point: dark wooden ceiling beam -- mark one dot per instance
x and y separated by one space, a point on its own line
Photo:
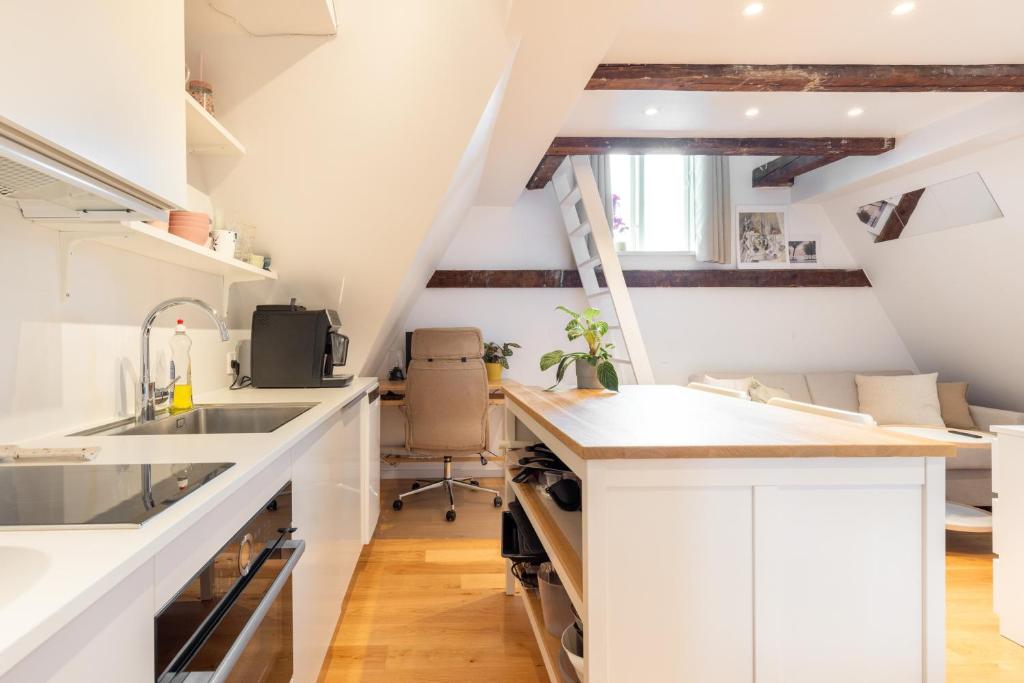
790 277
549 163
722 146
810 77
783 171
900 216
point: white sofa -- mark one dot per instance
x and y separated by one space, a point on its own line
968 475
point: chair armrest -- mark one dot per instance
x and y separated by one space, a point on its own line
986 417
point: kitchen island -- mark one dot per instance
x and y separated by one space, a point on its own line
723 540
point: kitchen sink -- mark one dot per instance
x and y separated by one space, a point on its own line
234 418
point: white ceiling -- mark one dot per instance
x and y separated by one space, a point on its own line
794 114
822 32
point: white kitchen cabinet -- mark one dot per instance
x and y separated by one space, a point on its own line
110 641
371 464
102 79
326 512
1007 539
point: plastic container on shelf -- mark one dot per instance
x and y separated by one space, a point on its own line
554 600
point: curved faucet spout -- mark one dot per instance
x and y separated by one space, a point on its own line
147 395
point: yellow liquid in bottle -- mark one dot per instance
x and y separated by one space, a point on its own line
182 398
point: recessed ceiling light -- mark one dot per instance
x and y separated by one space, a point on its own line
904 8
855 112
651 111
753 9
752 112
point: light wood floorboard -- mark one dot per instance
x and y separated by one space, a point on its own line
430 608
425 607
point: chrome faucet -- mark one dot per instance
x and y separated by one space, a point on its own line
149 395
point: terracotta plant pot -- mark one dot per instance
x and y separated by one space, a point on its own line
494 372
586 375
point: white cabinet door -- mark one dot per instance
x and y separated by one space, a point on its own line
102 79
371 464
326 512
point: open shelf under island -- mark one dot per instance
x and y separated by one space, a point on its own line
724 540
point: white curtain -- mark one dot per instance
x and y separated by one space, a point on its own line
601 163
710 208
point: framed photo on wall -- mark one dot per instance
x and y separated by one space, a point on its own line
760 233
803 251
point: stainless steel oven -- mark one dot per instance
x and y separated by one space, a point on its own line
233 620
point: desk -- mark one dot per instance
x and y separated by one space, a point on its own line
392 392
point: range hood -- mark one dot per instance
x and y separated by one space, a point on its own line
49 185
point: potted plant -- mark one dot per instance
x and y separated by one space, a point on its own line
496 358
594 367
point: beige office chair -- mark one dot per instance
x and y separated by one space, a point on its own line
446 403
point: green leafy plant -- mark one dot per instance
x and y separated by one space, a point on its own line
499 353
584 325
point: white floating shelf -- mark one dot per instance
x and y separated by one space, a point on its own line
140 238
204 135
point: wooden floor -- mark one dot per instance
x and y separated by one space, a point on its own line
425 607
432 609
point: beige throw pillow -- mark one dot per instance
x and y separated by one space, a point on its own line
734 384
762 393
901 399
953 404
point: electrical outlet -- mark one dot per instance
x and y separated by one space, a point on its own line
232 358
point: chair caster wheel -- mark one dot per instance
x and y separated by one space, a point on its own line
397 504
474 482
415 485
450 515
497 501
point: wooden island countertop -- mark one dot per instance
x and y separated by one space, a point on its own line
667 421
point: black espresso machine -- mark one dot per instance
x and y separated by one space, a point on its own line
296 348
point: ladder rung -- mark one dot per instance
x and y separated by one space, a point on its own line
622 361
571 198
590 262
601 292
581 229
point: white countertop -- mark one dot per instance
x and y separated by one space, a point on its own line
1010 430
47 578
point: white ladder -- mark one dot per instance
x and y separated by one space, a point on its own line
590 238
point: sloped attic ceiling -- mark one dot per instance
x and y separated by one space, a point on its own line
352 143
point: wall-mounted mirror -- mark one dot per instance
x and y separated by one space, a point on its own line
962 201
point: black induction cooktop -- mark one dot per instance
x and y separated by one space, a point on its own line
96 496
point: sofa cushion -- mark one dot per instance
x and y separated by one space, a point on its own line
793 383
909 400
762 393
953 404
839 389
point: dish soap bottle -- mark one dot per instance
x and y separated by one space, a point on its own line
181 369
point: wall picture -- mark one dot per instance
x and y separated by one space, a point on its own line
803 250
761 237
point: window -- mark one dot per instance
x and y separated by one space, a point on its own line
651 202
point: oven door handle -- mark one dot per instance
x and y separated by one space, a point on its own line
249 630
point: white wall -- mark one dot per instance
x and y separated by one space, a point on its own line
954 295
72 364
686 329
353 143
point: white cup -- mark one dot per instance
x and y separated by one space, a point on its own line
224 242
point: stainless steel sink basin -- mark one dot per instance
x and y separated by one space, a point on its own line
240 418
